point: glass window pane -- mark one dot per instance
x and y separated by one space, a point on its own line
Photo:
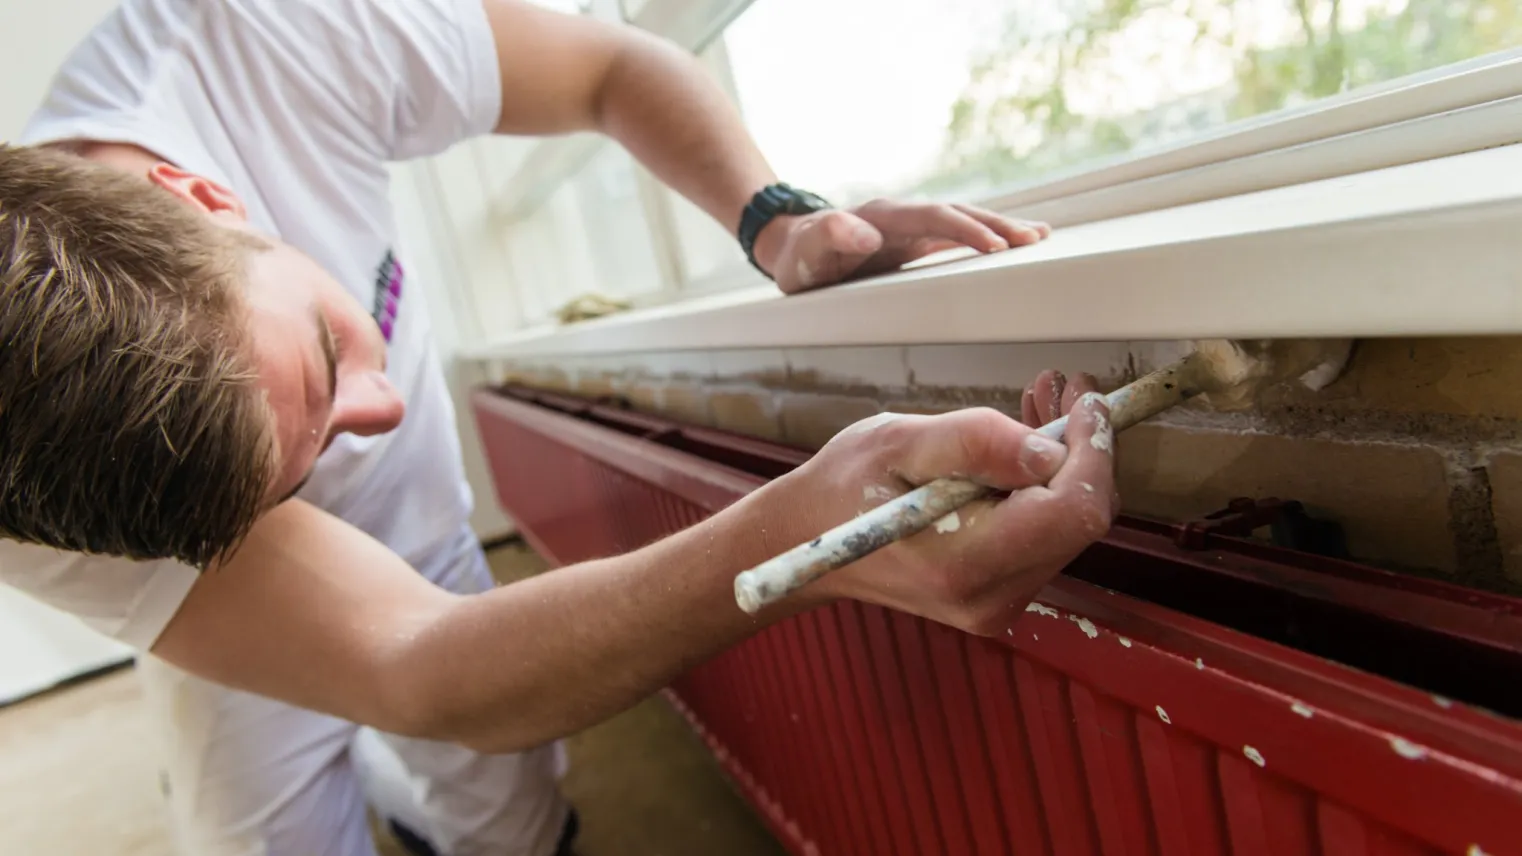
964 97
707 248
590 237
616 231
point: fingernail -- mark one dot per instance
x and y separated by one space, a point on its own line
1031 234
998 245
1041 456
864 238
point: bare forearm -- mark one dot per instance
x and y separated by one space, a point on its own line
548 656
314 612
668 111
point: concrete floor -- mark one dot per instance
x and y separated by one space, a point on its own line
78 777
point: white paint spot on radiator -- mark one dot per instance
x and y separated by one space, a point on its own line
1254 756
1199 663
1086 626
1408 750
1302 710
950 523
1125 642
1475 850
1042 609
1163 715
1441 702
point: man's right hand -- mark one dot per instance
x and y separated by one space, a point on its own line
979 569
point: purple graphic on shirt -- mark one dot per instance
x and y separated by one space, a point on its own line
388 293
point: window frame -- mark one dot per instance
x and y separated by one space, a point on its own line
1425 117
1421 249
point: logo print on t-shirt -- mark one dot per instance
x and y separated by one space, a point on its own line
388 293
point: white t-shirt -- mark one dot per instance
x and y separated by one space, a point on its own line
296 105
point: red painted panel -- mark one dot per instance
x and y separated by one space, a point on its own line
1146 729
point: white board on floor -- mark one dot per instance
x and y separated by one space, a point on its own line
41 647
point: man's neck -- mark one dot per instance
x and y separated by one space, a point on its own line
123 156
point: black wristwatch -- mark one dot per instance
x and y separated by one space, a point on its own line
768 203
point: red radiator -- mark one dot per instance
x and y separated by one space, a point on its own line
1236 699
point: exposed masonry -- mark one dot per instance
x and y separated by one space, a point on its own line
795 401
1473 524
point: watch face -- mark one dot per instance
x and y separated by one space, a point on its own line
803 202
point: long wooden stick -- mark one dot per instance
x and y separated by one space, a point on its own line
918 509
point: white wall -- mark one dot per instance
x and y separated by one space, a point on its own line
440 209
40 646
35 36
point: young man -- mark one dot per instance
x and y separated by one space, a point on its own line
191 270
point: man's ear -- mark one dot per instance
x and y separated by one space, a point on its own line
198 191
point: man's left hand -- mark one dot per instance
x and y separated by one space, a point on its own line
827 247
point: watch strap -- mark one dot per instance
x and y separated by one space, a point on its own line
767 204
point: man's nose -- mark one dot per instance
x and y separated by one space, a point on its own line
366 404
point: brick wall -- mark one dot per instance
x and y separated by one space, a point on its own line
1414 450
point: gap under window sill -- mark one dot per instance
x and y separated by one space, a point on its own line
1424 249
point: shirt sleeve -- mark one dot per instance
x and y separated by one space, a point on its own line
382 79
447 79
412 77
131 602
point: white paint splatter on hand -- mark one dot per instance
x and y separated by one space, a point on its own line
1254 756
950 523
1302 710
805 274
1087 488
1408 750
876 493
1103 437
871 423
1086 626
1042 609
1163 715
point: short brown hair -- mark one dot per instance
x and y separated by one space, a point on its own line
130 421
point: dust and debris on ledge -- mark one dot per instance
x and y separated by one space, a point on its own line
585 307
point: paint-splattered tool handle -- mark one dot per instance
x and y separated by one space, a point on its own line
920 508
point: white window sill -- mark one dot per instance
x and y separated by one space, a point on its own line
1429 248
